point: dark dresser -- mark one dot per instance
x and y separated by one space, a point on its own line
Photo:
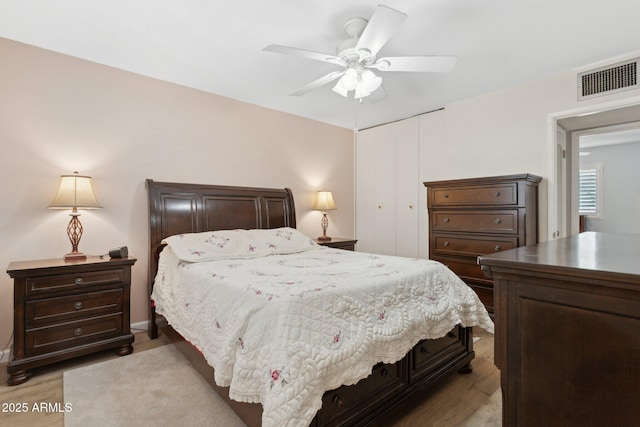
567 337
478 216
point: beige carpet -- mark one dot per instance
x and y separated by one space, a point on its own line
159 387
142 389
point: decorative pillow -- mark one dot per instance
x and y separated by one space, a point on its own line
214 245
285 240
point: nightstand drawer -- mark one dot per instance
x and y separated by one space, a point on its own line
55 310
66 335
74 281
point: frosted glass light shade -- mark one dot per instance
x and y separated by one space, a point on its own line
350 79
372 81
340 89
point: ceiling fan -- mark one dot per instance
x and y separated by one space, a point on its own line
357 56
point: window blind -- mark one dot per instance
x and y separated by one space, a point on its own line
588 194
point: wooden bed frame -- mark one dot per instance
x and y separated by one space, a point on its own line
176 208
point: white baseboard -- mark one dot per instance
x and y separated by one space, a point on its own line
139 326
5 355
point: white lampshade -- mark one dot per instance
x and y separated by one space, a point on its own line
324 201
75 191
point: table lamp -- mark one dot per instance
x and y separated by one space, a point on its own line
324 202
75 192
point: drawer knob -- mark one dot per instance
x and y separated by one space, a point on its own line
497 248
424 350
384 373
446 220
445 244
498 221
497 194
337 400
77 332
410 206
379 206
445 195
78 305
78 281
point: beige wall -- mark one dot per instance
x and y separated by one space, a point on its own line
59 114
502 133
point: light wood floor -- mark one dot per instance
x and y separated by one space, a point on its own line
453 403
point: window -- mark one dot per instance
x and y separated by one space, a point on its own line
590 190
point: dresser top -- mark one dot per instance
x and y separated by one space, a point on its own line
486 180
587 254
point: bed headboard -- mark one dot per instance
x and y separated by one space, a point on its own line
176 208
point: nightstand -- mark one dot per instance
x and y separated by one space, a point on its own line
339 243
68 309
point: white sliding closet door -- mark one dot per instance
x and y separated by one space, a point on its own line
387 189
407 187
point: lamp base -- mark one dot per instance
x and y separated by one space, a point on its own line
75 256
324 239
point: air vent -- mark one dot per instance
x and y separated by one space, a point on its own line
607 80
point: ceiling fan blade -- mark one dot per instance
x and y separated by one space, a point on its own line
304 53
431 64
318 83
384 22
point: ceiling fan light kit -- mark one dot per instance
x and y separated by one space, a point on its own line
357 56
364 82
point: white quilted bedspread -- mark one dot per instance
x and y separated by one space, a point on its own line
283 329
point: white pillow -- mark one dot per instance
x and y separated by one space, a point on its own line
214 245
285 240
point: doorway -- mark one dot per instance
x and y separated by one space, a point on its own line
564 160
608 190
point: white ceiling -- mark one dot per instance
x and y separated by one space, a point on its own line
612 138
216 45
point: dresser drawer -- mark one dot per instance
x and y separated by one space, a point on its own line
384 379
66 335
55 310
471 245
486 296
466 268
63 282
491 221
482 195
